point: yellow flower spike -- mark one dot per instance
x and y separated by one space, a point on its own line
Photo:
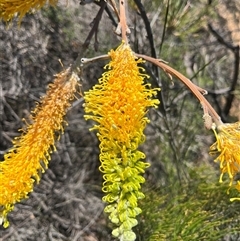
31 151
8 8
228 149
119 104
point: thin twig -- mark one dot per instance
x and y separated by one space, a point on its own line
147 26
77 62
123 22
153 51
220 38
113 4
95 25
194 89
164 26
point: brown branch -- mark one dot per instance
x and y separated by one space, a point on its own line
113 5
208 109
109 13
123 22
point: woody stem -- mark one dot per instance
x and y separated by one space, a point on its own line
123 22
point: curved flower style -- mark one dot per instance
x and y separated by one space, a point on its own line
8 8
227 144
119 104
31 152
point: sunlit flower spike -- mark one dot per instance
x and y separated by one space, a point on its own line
118 104
29 157
228 150
10 8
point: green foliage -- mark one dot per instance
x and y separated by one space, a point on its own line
198 210
60 20
180 32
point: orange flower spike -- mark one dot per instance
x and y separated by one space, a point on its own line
8 8
121 98
228 148
30 154
119 104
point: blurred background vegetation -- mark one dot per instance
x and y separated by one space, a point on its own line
184 200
